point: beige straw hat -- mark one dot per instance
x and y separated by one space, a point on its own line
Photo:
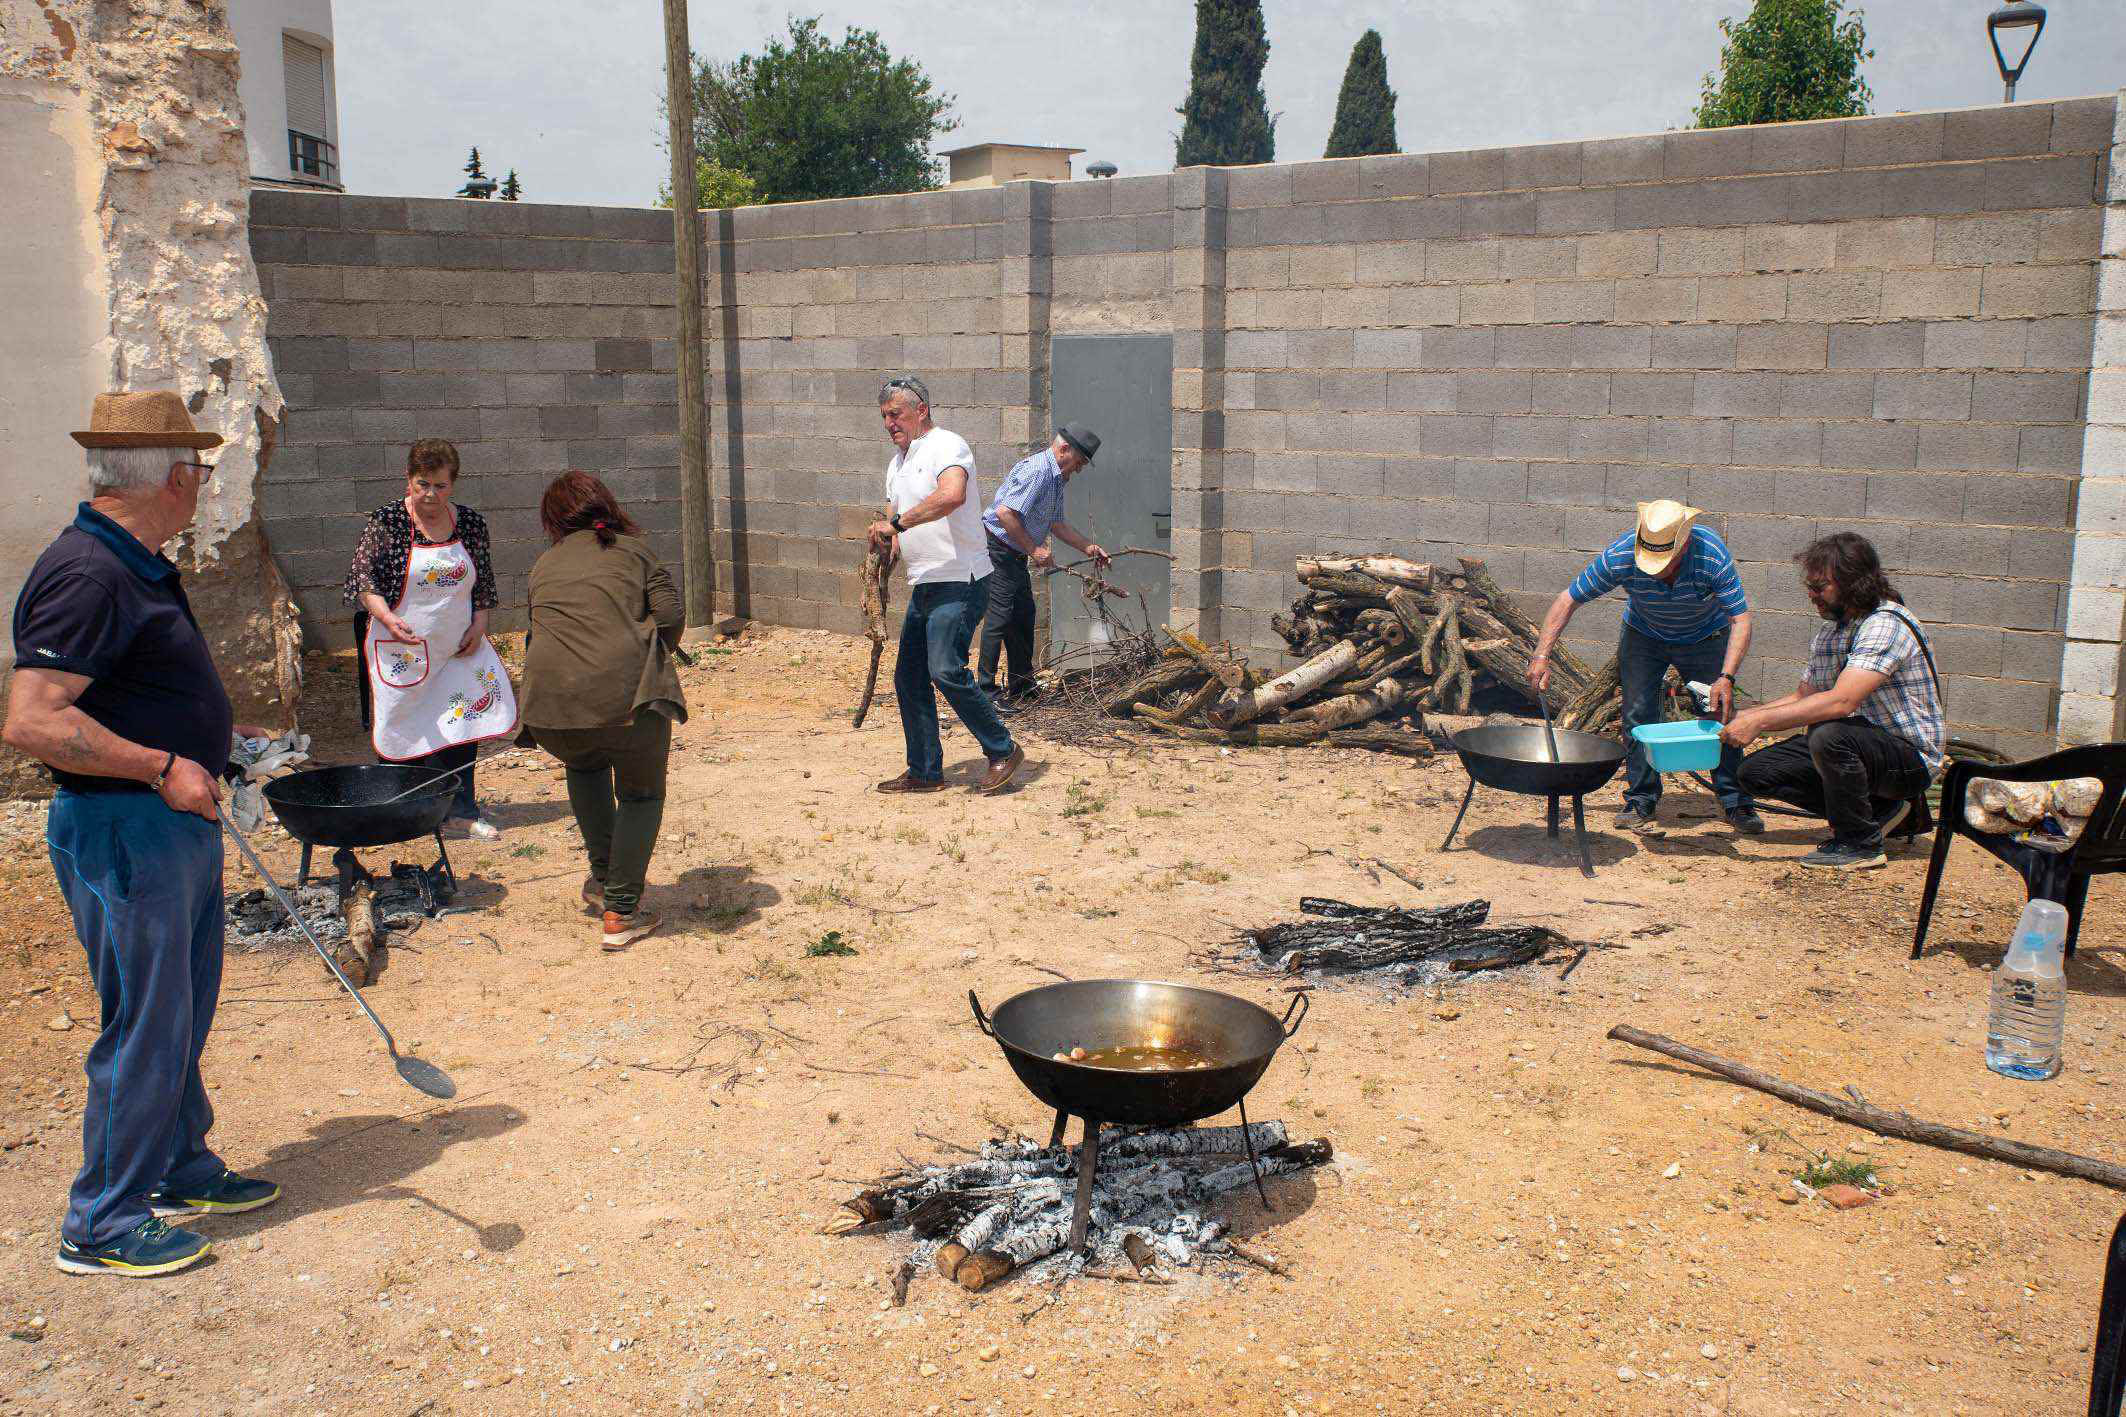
156 419
1664 533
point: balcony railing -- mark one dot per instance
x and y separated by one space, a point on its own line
312 157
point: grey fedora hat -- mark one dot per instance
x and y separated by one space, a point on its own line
1080 437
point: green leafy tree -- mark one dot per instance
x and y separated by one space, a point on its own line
1365 108
1225 120
1786 60
512 189
718 186
809 117
477 182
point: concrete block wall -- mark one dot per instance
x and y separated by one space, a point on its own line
1884 324
535 338
1878 324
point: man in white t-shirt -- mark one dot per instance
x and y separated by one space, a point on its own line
935 514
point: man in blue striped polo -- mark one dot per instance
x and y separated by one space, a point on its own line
1684 609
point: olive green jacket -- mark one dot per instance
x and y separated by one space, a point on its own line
604 622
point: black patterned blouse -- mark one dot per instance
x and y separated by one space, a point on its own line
388 539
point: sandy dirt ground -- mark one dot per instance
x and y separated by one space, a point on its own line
619 1210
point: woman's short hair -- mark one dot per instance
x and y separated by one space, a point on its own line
432 455
577 501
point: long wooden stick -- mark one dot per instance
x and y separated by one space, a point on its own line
697 553
1880 1121
878 567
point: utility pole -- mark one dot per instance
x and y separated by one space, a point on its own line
699 560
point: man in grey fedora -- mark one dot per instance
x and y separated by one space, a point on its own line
1027 511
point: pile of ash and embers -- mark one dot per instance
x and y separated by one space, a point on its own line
355 917
1008 1211
1385 944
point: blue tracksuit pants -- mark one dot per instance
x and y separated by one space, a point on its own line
145 886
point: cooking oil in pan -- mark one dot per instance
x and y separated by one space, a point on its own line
1139 1058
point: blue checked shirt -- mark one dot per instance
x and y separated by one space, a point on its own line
1705 595
1034 489
1909 702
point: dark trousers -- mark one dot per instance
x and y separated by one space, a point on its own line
1846 771
616 789
457 755
935 633
144 884
1642 662
1008 627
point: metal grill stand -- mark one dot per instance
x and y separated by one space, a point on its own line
1579 826
1089 1165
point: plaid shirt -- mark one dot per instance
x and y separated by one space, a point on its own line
1909 702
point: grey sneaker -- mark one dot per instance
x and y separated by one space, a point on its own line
1886 821
1634 819
1846 856
1745 821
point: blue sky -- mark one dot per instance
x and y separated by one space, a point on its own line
571 101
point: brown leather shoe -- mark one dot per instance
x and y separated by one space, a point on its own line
909 782
1000 772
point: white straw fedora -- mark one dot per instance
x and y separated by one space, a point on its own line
1664 533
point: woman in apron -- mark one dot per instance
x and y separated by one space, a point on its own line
434 685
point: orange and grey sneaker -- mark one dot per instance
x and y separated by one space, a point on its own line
150 1248
623 930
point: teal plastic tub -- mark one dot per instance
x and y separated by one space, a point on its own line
1681 747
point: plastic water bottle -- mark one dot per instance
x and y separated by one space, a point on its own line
2030 997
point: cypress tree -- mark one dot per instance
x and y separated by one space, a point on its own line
475 178
512 189
1226 119
1365 109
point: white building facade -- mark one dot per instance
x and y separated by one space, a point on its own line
291 100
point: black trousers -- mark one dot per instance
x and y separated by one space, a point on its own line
1007 630
1846 771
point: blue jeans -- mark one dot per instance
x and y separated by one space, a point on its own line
935 634
144 884
1641 662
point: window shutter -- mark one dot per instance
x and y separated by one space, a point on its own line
304 65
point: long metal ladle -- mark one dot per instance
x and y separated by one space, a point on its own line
423 1075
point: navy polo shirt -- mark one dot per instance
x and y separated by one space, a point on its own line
100 604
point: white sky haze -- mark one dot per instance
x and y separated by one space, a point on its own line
568 93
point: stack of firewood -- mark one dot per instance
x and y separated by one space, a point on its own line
1439 634
1384 639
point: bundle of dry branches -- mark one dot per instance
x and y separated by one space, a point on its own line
1437 634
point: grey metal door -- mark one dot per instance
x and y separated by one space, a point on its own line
1122 387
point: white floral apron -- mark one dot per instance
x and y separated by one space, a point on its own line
426 696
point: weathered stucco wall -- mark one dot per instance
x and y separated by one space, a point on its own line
123 123
1883 324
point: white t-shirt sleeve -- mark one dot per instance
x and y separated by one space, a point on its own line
954 453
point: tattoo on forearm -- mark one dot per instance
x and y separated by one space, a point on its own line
75 747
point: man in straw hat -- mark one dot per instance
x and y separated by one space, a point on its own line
115 691
1684 609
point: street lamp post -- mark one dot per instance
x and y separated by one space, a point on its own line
2015 15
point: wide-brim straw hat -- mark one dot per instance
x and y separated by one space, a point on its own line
156 419
1664 534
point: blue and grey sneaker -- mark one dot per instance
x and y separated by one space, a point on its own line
226 1194
1835 855
149 1248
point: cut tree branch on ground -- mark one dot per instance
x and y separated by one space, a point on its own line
1881 1121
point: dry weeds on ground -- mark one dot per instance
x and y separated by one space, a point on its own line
618 1211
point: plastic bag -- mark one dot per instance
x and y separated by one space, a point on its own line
1985 819
2077 796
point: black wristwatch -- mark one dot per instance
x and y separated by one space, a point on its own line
164 775
1723 674
894 521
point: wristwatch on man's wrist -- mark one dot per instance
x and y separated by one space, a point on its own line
1723 674
164 775
894 521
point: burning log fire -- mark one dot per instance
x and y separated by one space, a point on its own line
1008 1210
